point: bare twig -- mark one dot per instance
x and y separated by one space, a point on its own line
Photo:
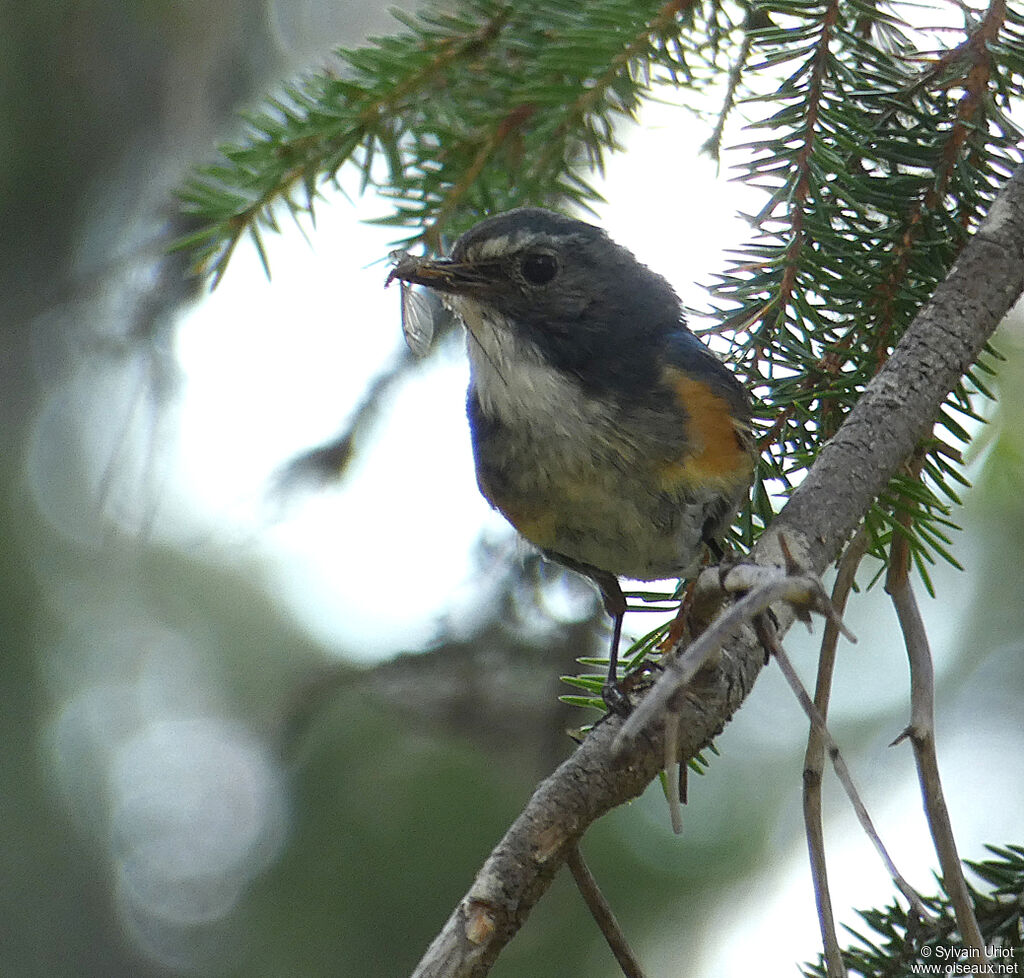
814 757
770 639
921 733
765 587
602 912
672 768
328 463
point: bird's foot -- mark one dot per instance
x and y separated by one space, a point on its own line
616 699
618 695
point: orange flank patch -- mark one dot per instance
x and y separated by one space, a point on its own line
716 454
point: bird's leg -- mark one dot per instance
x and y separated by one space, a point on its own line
615 605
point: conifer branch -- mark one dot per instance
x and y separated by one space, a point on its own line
802 163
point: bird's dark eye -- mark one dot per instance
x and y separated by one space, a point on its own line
538 267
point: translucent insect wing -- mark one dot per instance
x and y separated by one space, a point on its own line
417 319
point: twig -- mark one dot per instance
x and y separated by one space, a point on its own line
921 733
602 912
764 587
675 809
713 144
814 758
327 463
771 642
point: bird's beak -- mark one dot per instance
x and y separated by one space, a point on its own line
440 274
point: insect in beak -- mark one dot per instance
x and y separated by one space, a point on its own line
417 313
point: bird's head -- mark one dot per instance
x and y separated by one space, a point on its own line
561 285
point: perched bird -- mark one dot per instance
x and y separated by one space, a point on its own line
606 433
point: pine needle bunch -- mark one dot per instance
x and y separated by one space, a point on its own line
470 110
876 159
895 943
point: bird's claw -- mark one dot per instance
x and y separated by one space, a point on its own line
615 699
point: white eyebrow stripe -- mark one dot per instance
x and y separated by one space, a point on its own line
504 244
490 247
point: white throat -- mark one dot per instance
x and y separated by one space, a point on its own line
511 378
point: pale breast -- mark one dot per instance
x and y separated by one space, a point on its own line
574 474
